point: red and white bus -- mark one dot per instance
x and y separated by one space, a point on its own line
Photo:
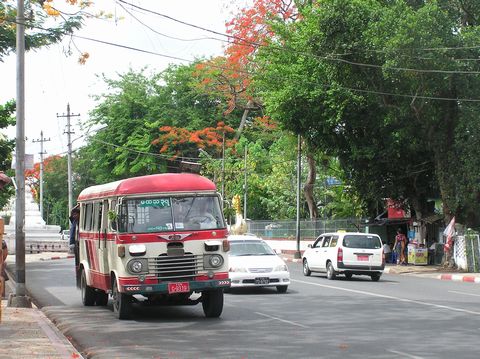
156 239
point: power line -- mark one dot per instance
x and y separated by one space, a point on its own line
326 58
164 35
249 73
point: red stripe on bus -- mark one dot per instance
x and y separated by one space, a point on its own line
216 276
135 281
100 280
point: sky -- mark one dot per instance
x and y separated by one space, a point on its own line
53 80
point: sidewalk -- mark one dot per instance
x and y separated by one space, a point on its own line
27 332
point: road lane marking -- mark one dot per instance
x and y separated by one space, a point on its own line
282 320
405 355
454 291
439 306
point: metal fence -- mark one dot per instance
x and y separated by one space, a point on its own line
472 252
309 229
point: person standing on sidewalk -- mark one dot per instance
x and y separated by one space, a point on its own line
3 266
399 247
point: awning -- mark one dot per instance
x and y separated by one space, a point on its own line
4 179
433 218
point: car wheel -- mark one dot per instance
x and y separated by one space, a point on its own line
330 271
212 303
122 303
306 268
282 288
376 277
348 275
88 293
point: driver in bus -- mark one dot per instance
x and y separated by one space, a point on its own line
201 215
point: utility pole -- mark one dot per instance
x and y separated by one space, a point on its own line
223 166
20 299
297 254
41 140
245 185
69 132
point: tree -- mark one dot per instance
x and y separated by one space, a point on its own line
362 80
37 34
55 188
6 148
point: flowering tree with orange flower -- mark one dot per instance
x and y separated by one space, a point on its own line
232 75
70 15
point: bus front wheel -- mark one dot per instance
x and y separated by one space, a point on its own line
122 303
88 293
212 303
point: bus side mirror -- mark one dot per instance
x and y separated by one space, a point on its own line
112 216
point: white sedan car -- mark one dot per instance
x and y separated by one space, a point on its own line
253 263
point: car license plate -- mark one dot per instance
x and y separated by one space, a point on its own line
362 258
262 280
180 287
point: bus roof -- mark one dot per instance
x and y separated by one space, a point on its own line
158 183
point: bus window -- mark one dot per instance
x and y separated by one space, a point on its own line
165 214
88 217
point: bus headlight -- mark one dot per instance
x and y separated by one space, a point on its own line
137 266
213 261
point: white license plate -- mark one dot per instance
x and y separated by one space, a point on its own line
262 280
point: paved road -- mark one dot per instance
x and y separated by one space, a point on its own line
398 317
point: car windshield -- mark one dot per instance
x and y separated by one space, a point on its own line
362 241
250 248
163 214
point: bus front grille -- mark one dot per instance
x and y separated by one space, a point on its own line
175 267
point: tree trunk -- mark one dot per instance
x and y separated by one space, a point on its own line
250 106
309 185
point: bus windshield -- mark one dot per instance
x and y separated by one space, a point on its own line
164 214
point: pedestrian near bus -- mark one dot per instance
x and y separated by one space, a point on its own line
74 217
399 247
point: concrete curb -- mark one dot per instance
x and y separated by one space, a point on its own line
57 257
460 278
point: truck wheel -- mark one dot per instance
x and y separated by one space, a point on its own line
282 288
306 268
88 293
212 303
122 303
330 271
348 276
375 277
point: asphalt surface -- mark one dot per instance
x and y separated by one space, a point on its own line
402 316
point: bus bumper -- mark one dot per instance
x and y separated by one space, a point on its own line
175 287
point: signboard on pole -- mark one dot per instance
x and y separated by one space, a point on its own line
29 163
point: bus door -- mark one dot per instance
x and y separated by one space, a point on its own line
101 234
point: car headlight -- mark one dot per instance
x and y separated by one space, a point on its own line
238 269
281 268
137 266
213 261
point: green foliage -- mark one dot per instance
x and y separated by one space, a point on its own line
55 192
37 33
348 86
6 148
130 115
